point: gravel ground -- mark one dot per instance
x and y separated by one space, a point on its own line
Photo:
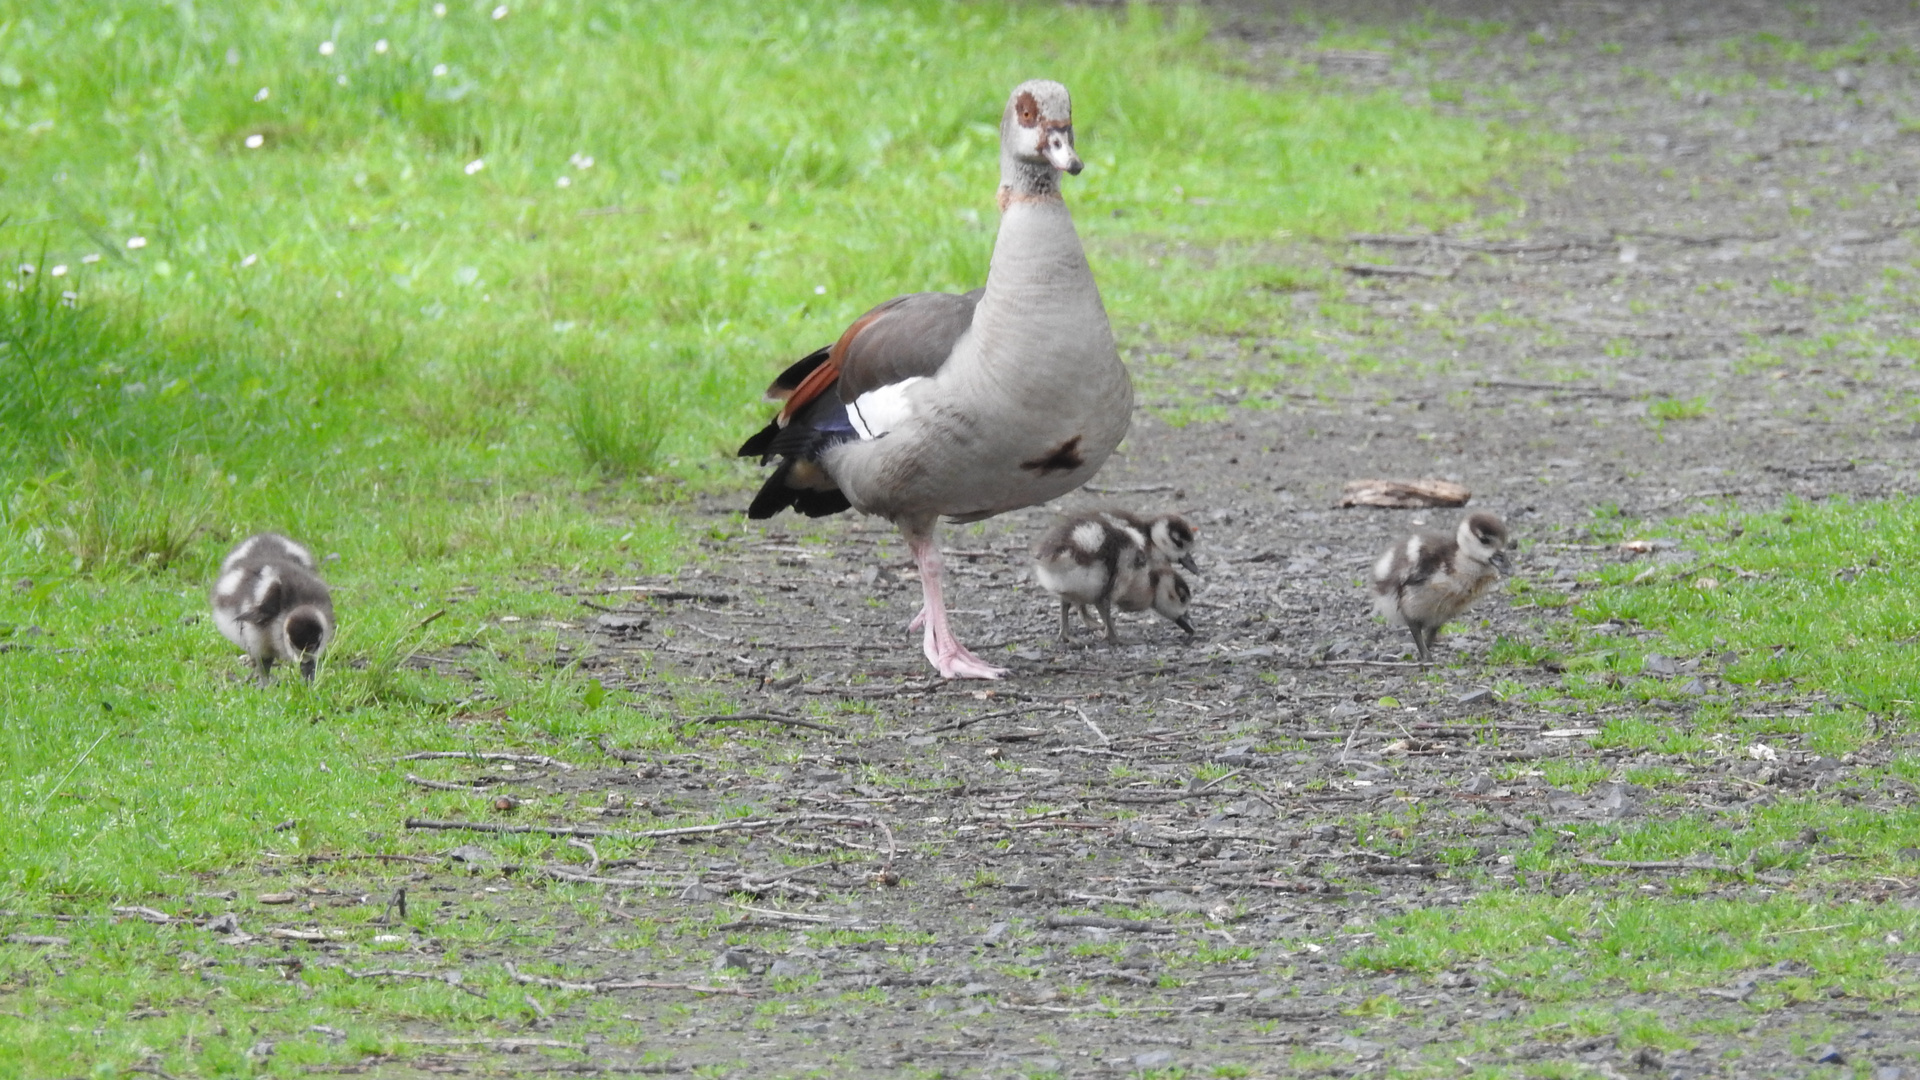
1245 801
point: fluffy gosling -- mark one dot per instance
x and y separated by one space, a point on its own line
1101 559
1427 579
270 603
1170 538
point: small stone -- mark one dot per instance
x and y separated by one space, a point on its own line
784 968
1238 756
1358 1047
1826 1054
278 898
976 989
1657 664
471 854
1153 1059
617 623
260 1051
732 960
1889 1072
699 893
1846 80
1478 784
1476 696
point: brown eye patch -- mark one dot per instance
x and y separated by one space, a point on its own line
1026 110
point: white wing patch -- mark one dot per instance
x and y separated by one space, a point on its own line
246 548
269 577
879 411
1088 536
229 584
1384 568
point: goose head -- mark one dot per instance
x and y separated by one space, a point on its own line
1483 538
1037 128
1172 597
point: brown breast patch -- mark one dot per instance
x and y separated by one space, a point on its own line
1063 458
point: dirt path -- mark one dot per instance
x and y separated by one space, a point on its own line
1249 796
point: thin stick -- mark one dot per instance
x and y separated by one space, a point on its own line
482 755
1093 727
441 785
55 790
619 984
1672 864
452 979
579 830
969 721
771 718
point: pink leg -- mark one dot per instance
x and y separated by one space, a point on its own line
946 654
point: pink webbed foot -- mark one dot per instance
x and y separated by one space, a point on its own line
954 661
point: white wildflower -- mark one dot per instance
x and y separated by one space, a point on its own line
90 257
262 94
326 48
255 142
500 12
439 11
249 261
380 46
819 290
476 165
580 161
136 242
28 269
563 182
59 271
439 70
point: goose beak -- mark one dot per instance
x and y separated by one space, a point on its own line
1503 562
307 664
1185 624
1059 150
1187 561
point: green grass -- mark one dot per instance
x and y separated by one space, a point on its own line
1809 598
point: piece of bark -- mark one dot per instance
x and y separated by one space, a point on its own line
1404 494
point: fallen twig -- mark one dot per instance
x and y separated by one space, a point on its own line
1381 270
605 985
451 978
771 718
581 830
1658 864
442 785
1102 922
483 755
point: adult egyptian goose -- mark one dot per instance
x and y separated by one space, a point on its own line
270 602
935 405
1428 578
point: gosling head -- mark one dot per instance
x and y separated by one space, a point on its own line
1177 537
303 635
1483 538
1172 598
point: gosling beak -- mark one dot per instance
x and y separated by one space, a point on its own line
1183 623
1187 562
1059 150
307 664
1503 562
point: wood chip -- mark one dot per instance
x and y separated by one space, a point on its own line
1404 494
